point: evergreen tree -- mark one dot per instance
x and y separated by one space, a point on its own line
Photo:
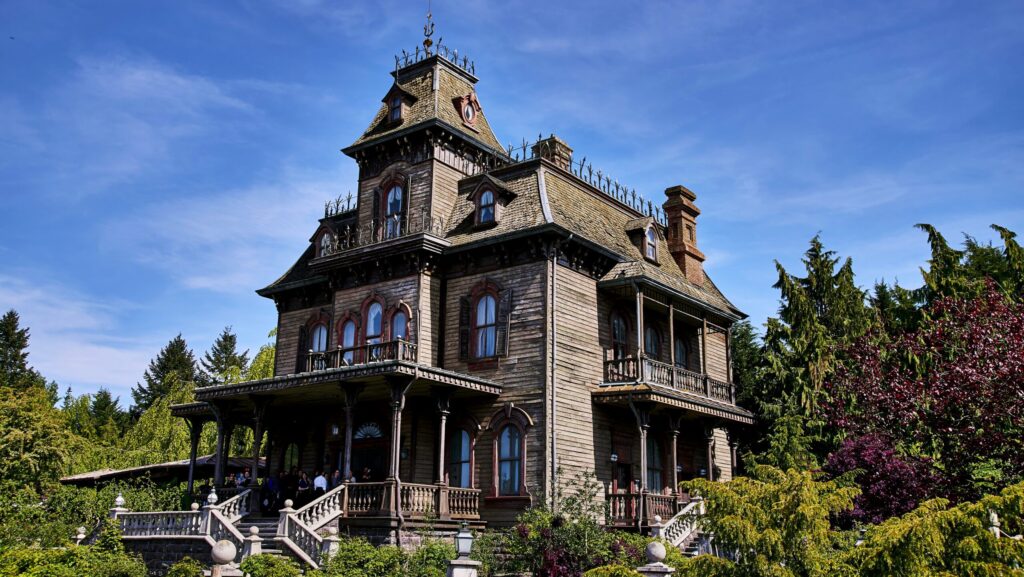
176 358
14 369
223 358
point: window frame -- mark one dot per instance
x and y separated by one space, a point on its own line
649 331
616 343
452 464
650 245
655 464
476 326
395 109
393 222
480 206
520 420
681 342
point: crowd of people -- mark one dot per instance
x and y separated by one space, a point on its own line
300 487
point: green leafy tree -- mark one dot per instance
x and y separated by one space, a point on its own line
746 353
262 366
223 358
775 523
34 440
176 358
159 436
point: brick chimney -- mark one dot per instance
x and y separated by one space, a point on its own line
681 213
554 149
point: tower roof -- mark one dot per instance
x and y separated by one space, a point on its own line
436 86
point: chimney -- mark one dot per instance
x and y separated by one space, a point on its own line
554 149
681 213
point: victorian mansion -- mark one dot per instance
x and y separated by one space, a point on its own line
481 323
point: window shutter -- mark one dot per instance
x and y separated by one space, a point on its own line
377 228
502 321
406 209
464 328
300 361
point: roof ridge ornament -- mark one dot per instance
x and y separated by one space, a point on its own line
428 30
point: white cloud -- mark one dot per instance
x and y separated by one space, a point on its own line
70 338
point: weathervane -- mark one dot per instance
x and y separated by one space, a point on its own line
428 30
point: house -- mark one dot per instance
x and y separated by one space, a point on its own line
481 319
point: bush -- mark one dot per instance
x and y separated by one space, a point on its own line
68 562
269 566
186 567
612 571
430 559
356 557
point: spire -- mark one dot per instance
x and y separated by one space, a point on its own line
428 30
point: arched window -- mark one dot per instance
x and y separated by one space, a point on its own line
318 338
652 342
291 457
348 341
459 460
400 326
393 211
681 360
620 337
510 465
374 323
651 244
368 431
485 210
485 328
654 468
395 108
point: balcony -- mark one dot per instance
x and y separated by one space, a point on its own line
380 230
361 355
649 371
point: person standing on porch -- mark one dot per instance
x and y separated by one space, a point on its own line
336 479
319 484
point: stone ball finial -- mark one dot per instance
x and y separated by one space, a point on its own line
332 531
288 503
81 533
657 519
195 506
655 552
254 530
223 552
119 501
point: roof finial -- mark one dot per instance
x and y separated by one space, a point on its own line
428 30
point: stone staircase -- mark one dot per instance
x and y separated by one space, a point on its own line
267 530
683 529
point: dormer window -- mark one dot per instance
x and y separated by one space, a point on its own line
468 113
393 211
325 244
651 244
485 208
395 109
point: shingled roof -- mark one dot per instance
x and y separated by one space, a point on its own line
432 102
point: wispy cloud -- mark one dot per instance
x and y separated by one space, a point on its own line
70 335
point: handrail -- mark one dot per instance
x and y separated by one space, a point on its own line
297 529
648 370
236 507
138 524
682 527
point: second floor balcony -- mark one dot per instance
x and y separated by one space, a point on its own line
643 369
397 350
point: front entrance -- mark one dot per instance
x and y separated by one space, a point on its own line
369 453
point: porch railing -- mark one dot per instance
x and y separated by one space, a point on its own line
174 523
419 501
380 230
365 499
648 370
633 509
464 503
297 529
398 350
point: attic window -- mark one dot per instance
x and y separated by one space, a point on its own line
395 109
651 244
469 113
485 208
325 244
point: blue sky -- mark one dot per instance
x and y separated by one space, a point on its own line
161 160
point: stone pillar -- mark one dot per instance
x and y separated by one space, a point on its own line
282 521
330 544
253 544
222 553
655 566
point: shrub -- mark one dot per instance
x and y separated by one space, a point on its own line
612 571
356 557
269 566
186 567
68 562
430 559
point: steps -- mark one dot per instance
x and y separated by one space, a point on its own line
268 528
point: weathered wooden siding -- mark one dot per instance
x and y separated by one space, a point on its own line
717 367
289 325
394 293
446 186
723 457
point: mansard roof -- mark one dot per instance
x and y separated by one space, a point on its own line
546 195
435 86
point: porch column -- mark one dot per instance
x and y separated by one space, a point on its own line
732 451
639 333
672 350
673 425
351 396
258 413
642 413
224 430
195 433
709 437
399 386
443 398
704 345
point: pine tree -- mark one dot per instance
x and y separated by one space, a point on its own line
176 358
223 358
14 369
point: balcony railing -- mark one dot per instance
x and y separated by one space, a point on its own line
648 370
363 354
380 230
